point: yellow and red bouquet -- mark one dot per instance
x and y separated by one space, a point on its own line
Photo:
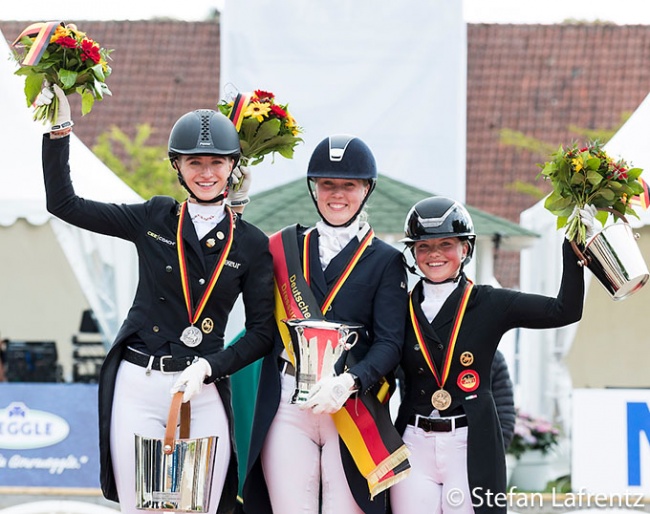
58 53
586 175
264 125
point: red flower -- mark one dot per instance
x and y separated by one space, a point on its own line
90 51
264 95
67 42
278 111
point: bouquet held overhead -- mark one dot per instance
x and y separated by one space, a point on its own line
588 186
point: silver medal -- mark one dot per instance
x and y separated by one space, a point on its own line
191 336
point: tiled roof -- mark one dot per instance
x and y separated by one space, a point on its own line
166 68
387 209
537 79
541 80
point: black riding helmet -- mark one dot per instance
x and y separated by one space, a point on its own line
437 217
203 132
342 156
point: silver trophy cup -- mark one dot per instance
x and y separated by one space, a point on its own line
318 345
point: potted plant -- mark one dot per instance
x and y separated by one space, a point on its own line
532 433
532 445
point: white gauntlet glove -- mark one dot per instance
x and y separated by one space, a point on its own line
588 217
329 394
63 116
241 183
191 379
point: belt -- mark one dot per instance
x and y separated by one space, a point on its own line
164 363
437 424
285 367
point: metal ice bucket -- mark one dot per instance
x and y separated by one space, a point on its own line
614 257
318 345
174 475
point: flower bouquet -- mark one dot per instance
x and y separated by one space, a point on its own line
532 434
264 126
59 53
587 179
586 175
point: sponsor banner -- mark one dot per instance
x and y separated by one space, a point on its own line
611 441
49 435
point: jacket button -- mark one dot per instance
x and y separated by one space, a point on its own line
162 299
168 268
156 328
441 346
417 347
422 392
420 371
201 281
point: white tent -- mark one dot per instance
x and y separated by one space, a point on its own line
50 271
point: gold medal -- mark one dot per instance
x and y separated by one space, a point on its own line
441 399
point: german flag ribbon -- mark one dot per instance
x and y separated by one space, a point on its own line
293 297
365 242
643 199
441 376
363 424
238 108
42 32
182 262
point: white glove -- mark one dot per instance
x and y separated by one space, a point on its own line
191 379
45 97
241 181
329 394
588 217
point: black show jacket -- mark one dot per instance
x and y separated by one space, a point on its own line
490 313
375 296
159 314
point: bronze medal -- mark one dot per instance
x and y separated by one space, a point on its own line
441 399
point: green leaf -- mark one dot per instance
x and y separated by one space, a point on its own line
67 78
593 177
33 86
87 102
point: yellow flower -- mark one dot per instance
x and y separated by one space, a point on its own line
257 110
577 163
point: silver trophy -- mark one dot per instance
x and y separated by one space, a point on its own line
318 345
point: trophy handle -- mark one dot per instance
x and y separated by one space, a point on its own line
346 340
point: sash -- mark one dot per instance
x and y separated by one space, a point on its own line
363 423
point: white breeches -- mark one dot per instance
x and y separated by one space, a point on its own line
300 452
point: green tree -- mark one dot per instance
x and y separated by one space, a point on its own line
522 142
144 168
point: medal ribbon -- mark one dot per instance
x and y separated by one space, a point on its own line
187 293
346 272
446 365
